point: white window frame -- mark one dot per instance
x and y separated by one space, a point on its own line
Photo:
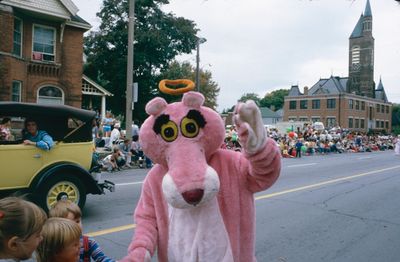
331 117
21 38
54 43
49 97
19 90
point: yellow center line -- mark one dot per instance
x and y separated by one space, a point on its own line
132 226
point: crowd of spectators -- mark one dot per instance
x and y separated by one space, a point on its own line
311 142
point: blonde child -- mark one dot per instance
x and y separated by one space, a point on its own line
89 248
21 224
61 241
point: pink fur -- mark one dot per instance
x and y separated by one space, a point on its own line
187 164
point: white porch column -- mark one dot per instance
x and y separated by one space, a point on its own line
103 107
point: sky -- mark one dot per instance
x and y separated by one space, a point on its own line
258 46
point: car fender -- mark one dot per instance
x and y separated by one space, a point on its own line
90 183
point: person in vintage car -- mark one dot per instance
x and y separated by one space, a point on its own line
35 137
5 133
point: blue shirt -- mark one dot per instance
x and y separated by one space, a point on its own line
43 140
95 252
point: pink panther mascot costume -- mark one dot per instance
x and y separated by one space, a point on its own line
197 202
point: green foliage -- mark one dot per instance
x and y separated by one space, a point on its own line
275 98
250 96
185 70
159 38
396 119
396 115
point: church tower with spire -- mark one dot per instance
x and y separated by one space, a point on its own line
361 56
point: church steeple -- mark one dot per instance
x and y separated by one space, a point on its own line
367 11
361 56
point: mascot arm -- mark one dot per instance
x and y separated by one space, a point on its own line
145 239
262 159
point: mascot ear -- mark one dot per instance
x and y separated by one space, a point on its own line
156 106
193 99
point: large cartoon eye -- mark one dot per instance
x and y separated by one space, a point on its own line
189 127
169 131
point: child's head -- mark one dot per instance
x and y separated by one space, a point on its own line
21 224
67 209
61 241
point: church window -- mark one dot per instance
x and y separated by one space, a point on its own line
355 55
367 26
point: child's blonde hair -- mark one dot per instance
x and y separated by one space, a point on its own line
63 207
57 233
19 218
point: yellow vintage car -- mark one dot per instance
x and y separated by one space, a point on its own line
46 176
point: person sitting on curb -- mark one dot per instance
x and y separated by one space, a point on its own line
35 137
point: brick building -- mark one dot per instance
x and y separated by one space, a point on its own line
41 51
349 102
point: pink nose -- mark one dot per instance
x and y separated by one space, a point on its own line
194 196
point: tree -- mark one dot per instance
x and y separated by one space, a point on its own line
250 96
275 98
159 38
185 70
396 118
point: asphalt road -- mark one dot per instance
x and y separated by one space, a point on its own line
338 207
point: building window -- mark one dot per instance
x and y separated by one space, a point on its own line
350 103
387 124
376 124
44 39
382 108
367 26
387 109
382 124
303 104
330 121
316 104
331 103
362 123
315 119
357 105
356 123
50 95
363 105
292 104
355 55
17 38
292 118
16 91
378 107
350 122
303 119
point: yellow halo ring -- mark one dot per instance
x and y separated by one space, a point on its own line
163 86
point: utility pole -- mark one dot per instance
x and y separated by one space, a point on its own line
129 71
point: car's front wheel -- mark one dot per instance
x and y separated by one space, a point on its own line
61 186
